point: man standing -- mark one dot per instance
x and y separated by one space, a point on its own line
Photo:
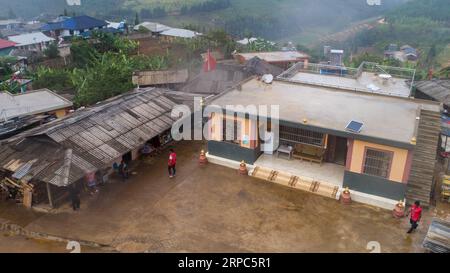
172 162
416 215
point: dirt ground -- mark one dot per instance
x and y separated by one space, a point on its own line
213 209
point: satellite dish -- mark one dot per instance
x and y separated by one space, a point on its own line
267 78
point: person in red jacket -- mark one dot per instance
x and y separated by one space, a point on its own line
416 215
172 162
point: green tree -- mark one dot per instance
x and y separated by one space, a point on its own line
54 79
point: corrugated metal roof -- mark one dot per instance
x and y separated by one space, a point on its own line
436 89
180 33
93 138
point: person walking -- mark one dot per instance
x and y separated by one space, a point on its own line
123 170
416 215
172 163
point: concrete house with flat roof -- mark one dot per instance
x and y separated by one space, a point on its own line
335 131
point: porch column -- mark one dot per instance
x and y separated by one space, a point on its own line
49 193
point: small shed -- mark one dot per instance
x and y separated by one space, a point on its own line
150 78
52 157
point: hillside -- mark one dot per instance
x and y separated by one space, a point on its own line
424 24
273 19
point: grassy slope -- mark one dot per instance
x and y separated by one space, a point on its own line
305 20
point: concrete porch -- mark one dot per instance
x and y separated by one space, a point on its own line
327 172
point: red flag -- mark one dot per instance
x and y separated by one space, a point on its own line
210 63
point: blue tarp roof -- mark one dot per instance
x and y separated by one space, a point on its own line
75 23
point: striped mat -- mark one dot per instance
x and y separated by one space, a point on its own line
301 183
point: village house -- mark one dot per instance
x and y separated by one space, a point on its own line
45 161
439 91
154 28
33 42
334 132
283 59
73 26
178 33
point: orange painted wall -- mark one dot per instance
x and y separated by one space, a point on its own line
60 113
399 161
249 129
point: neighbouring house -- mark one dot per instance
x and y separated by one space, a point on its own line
10 24
406 53
6 47
49 159
122 26
34 42
247 41
283 59
154 28
73 26
227 75
381 146
177 33
166 78
34 102
436 90
439 91
410 52
23 110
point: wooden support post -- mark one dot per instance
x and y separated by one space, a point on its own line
49 193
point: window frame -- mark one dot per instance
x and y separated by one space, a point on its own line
391 160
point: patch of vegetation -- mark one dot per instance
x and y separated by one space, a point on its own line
423 24
51 51
102 68
58 80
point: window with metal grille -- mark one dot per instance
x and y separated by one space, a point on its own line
302 136
377 163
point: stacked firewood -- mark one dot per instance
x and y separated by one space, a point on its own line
17 190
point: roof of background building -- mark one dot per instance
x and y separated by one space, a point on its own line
368 77
152 26
30 39
9 22
436 89
180 33
276 56
384 117
6 44
65 150
75 23
30 103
